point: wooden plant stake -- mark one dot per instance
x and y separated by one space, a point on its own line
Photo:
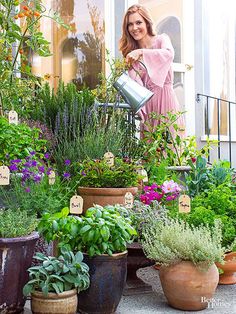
76 205
184 204
4 175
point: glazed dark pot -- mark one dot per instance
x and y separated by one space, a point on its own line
136 259
15 258
107 281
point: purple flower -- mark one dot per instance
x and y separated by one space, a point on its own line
67 162
32 153
83 173
49 171
66 175
27 189
33 163
7 156
47 156
15 161
37 178
41 169
13 167
27 164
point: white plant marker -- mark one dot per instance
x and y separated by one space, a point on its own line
129 200
13 117
109 159
52 177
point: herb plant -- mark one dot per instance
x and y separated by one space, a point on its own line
58 274
97 173
173 241
16 141
101 231
16 223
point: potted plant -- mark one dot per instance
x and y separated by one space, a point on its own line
55 282
102 235
102 184
17 243
187 256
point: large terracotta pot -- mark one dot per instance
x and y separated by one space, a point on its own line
104 196
63 303
186 287
107 281
229 269
15 258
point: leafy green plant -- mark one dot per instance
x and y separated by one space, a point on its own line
163 142
102 230
174 241
16 223
203 177
17 141
97 173
58 274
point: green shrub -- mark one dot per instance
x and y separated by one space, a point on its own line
16 223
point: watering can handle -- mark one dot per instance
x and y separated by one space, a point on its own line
137 72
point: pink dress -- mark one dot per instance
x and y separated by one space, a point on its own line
158 77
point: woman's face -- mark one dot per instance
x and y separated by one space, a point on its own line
137 26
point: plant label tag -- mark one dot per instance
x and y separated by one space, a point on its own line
184 204
142 172
13 117
4 175
76 205
129 200
109 159
52 177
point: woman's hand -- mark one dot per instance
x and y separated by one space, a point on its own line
133 56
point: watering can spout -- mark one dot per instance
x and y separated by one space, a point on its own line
132 92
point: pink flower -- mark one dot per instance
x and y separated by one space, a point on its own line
170 187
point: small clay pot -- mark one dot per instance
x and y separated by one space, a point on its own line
229 269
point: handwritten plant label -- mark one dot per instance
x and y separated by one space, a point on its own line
184 204
52 177
4 175
13 117
76 205
129 200
109 159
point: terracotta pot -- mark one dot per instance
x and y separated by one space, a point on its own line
186 287
15 258
107 281
63 303
104 196
229 269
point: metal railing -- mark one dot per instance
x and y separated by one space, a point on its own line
218 102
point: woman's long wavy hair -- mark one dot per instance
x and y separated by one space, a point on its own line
127 43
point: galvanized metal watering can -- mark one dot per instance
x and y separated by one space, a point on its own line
132 92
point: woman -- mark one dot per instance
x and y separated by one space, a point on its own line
140 43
